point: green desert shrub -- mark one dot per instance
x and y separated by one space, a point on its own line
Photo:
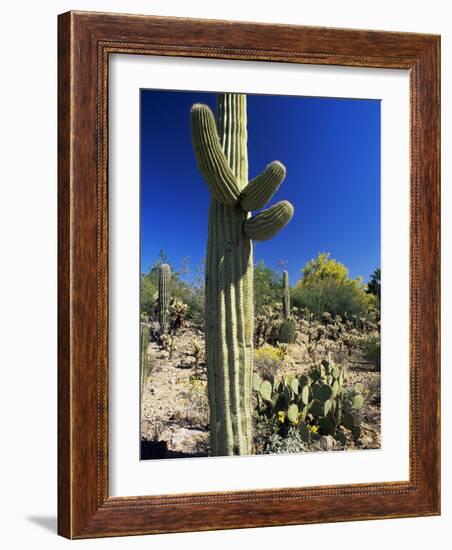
326 287
267 325
267 288
291 443
193 296
149 295
288 331
334 297
268 438
371 348
374 287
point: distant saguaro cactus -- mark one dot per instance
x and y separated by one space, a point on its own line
286 295
223 161
163 299
144 361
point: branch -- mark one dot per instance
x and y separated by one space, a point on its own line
262 188
268 222
212 161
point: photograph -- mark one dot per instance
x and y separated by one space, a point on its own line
260 274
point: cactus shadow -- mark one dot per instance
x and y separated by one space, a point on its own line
158 450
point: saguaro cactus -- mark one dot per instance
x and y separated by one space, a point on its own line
144 362
163 299
286 295
223 161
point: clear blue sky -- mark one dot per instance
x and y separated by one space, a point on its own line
331 150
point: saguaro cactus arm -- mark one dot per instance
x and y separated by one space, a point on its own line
262 188
268 222
211 159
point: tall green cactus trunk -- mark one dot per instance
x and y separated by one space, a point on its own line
163 299
223 161
229 299
286 295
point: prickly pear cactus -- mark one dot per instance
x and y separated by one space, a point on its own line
163 300
286 295
222 157
317 403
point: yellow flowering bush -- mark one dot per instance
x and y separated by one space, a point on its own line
277 353
268 360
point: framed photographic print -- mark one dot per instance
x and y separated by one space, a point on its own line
248 275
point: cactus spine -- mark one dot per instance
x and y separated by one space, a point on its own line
223 161
163 299
286 295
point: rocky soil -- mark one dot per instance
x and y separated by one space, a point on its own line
174 407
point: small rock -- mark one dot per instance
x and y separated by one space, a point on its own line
327 443
296 353
186 440
145 425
